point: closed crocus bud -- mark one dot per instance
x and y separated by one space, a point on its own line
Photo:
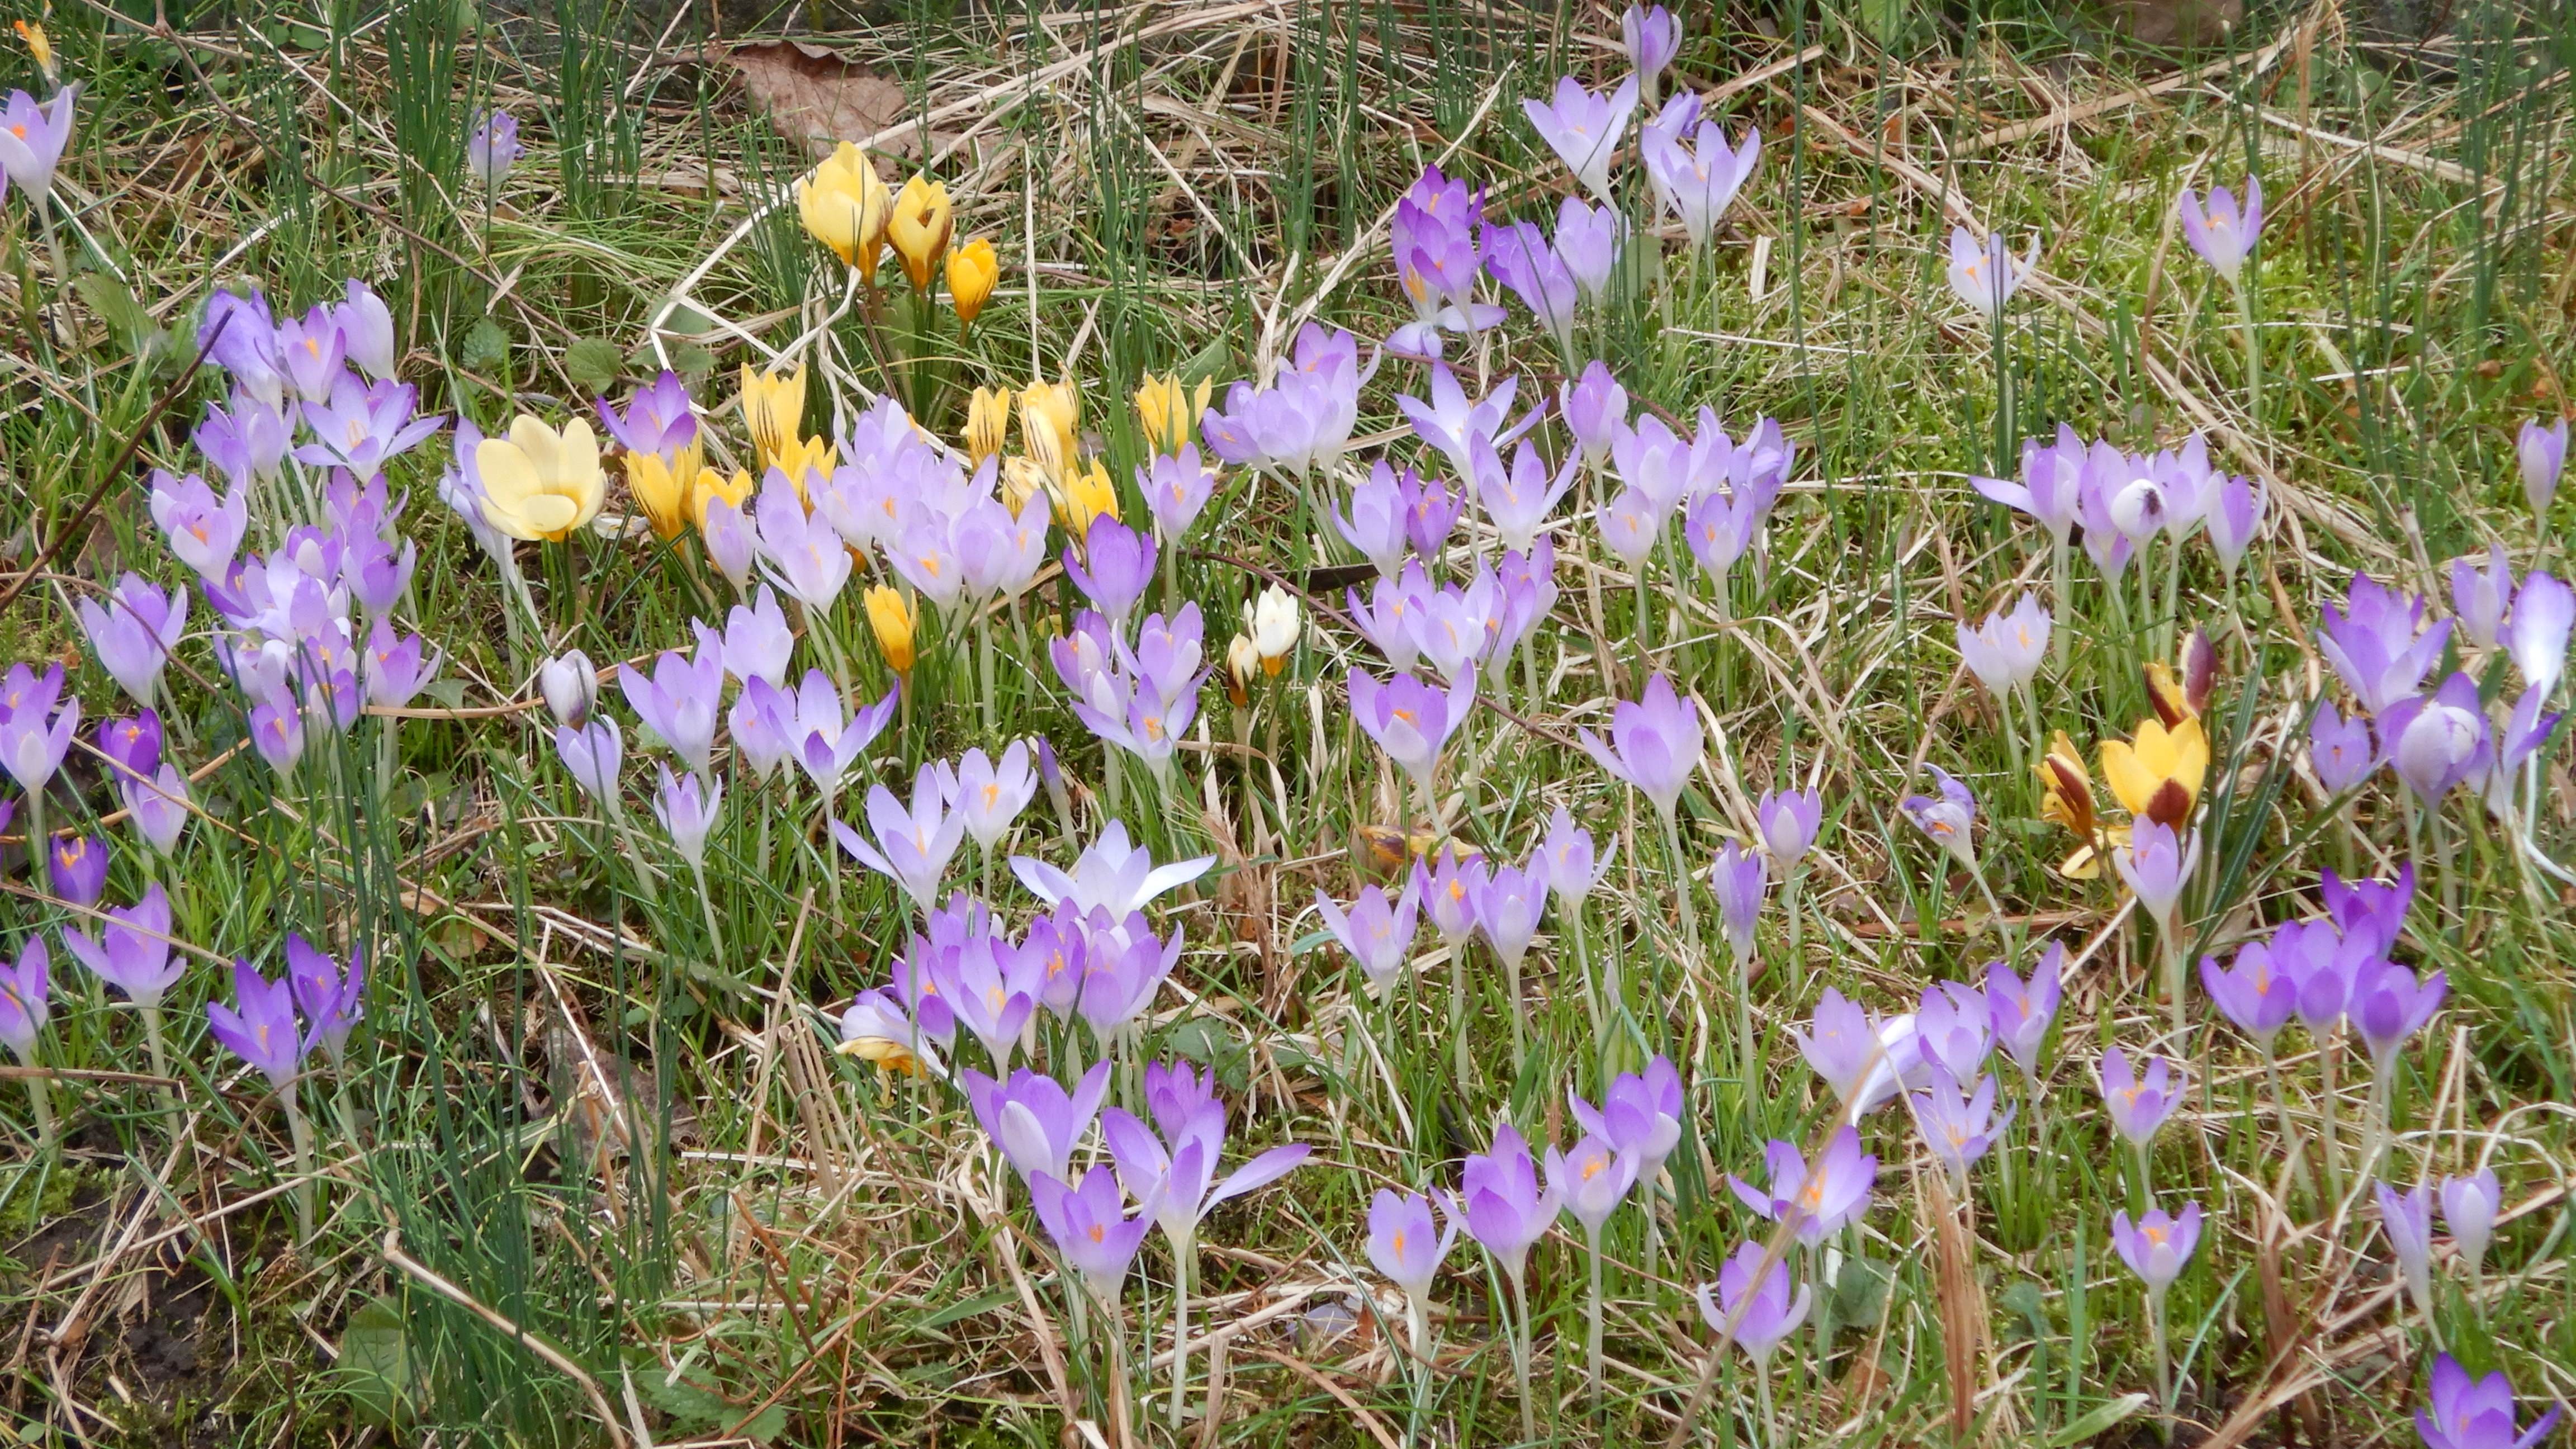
845 206
570 684
988 422
661 494
1242 666
1051 425
773 411
973 270
920 228
1167 410
2541 453
1274 627
893 622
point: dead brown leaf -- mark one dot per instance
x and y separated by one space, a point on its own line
821 97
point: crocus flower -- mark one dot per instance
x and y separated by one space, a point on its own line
1650 37
2406 1220
1450 892
1520 257
591 755
991 796
1819 1197
1595 408
2370 913
1377 933
362 427
2157 865
1405 1242
2138 1104
2157 774
2005 651
678 702
1176 489
1518 502
1790 820
2223 235
260 1029
314 351
2543 612
2340 749
32 138
658 418
1587 241
1508 906
79 865
732 544
1507 1212
1698 180
1032 1118
1760 1305
1411 720
1090 1226
2256 995
2157 1246
1654 744
1737 879
2018 1012
914 845
2481 589
2373 644
1583 129
570 685
25 1003
1114 568
1958 1127
158 807
688 812
814 731
1630 527
1950 821
2469 1207
1859 1057
1375 526
1985 275
2388 1005
1640 1114
1592 1180
1573 866
2436 742
31 746
799 552
2052 485
1110 875
132 746
246 442
2540 453
876 1028
493 148
1178 1170
2474 1414
2235 519
332 999
757 641
134 632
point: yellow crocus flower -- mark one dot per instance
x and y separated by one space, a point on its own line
2158 774
539 483
773 409
711 485
988 423
1085 496
1169 412
660 492
1051 424
893 620
973 272
805 458
1021 481
846 206
920 228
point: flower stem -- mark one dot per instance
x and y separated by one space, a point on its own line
1181 1256
2164 1358
40 1098
300 1132
1592 1320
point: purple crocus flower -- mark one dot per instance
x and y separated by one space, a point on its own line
2138 1104
79 865
1630 527
1720 526
2474 1414
2406 1220
1592 1180
658 418
1640 1114
1763 1313
733 546
1178 1171
2052 483
260 1029
1110 875
1405 1242
132 746
1820 1197
1411 720
2157 864
1035 1122
1518 255
1950 820
1451 421
1124 966
2321 964
1518 502
2223 235
1699 180
813 730
678 702
2540 453
1509 904
158 807
758 644
799 552
2339 749
1431 511
1450 892
247 442
2469 1207
1583 129
2157 1246
493 148
1587 241
1654 744
1650 37
1176 488
1573 866
332 999
991 794
1790 821
914 845
1957 1126
314 353
2373 644
687 811
2438 741
366 328
134 632
1375 526
591 755
1953 1028
2543 613
1377 933
1737 879
2481 589
1507 1211
2388 1005
1090 1226
361 427
2006 650
2235 519
203 531
2370 913
2256 995
1115 566
1595 408
25 1003
132 949
1986 274
32 138
32 746
2018 1012
1856 1054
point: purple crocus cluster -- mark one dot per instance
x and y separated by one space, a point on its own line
2125 501
1302 420
2332 973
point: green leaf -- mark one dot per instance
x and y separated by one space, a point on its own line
115 304
487 347
2024 1300
692 360
375 1361
1860 1292
594 364
2091 1426
968 1308
448 692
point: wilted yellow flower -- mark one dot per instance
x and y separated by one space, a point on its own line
920 227
893 621
1022 480
37 46
2066 798
889 1055
711 485
773 409
988 423
1085 496
1242 665
1168 412
660 492
538 483
972 272
805 458
846 206
1051 424
2158 774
